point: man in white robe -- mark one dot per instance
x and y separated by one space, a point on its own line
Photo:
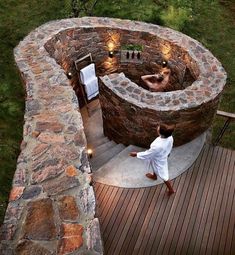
158 154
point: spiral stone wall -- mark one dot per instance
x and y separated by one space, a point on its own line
51 207
197 78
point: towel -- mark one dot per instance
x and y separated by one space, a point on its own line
87 73
92 88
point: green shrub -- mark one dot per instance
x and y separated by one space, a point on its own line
176 17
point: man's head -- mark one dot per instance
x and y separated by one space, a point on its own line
165 130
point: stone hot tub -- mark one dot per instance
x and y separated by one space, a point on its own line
131 113
197 77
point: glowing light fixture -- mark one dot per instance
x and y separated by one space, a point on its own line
69 75
89 153
164 63
111 54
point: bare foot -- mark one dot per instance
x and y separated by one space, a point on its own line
170 192
151 176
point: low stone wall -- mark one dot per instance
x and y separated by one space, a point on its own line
131 114
51 208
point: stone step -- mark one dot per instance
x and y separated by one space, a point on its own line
103 158
94 143
103 147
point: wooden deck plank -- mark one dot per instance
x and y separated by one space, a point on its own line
175 215
170 248
231 218
205 246
118 221
216 206
129 222
229 188
151 221
161 217
147 220
105 198
140 221
204 207
98 189
109 227
198 219
106 221
186 230
207 213
163 231
134 222
222 204
197 208
232 222
126 218
109 203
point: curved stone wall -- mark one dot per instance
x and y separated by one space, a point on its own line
197 77
131 114
52 205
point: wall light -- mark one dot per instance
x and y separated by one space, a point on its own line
89 153
164 63
69 75
111 54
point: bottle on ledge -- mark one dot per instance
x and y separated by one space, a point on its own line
133 55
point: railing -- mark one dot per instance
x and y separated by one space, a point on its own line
228 118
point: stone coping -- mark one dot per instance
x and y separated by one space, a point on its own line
160 101
51 206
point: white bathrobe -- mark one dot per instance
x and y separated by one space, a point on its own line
157 156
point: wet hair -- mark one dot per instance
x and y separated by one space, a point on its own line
166 130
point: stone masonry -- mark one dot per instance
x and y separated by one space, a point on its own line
51 207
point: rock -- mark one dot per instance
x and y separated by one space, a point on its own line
49 126
39 223
32 192
27 247
16 193
39 150
71 171
13 212
7 230
68 208
72 238
87 201
49 171
59 184
51 138
6 249
66 151
79 138
94 241
20 176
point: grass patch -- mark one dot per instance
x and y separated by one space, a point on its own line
213 26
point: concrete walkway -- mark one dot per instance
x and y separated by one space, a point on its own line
127 172
112 165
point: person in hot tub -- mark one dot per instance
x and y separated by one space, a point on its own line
157 155
158 82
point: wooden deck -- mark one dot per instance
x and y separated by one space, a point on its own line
198 219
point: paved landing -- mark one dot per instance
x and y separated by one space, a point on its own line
127 172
